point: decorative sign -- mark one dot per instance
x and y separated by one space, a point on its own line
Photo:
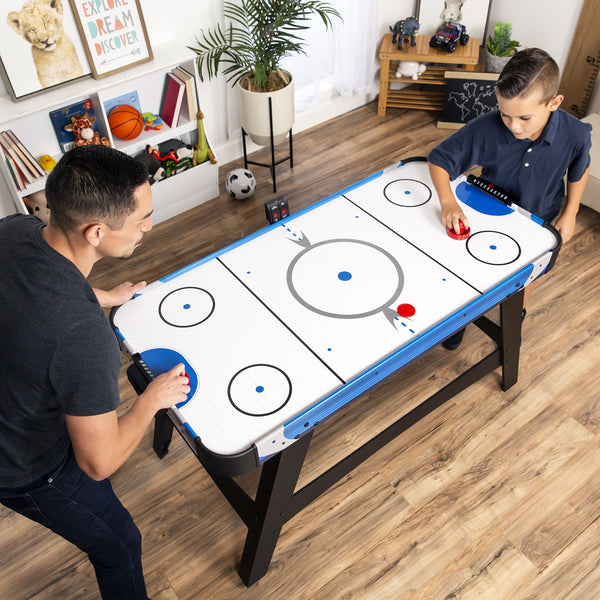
114 34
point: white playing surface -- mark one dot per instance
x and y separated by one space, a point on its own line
279 322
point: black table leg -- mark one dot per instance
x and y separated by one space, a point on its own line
163 433
275 490
511 317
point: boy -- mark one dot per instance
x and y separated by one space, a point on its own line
526 147
60 436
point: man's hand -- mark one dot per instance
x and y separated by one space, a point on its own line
119 294
102 443
167 389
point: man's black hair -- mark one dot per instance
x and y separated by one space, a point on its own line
93 183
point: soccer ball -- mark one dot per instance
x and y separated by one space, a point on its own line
240 184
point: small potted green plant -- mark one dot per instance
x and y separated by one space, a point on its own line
250 49
500 47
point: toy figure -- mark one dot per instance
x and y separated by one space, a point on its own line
410 68
402 29
152 122
47 162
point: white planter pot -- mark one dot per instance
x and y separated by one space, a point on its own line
495 64
254 114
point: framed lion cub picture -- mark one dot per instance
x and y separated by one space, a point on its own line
40 47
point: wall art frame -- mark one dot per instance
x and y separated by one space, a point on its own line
40 47
113 33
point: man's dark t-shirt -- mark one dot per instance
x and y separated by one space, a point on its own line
58 354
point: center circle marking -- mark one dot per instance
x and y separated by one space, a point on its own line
374 282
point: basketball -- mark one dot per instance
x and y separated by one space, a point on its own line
125 122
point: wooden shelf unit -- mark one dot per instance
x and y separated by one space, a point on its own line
426 93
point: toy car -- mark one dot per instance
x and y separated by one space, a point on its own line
448 36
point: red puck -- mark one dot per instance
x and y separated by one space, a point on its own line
463 234
406 310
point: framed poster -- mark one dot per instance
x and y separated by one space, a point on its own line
474 15
40 47
114 34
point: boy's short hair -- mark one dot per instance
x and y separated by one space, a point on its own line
528 70
93 183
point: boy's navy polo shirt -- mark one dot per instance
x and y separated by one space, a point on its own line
532 172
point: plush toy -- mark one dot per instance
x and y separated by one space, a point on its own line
47 162
202 151
37 206
83 129
177 147
452 11
156 171
410 68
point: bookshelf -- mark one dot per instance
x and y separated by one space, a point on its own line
30 121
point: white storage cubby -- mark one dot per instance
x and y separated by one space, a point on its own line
30 121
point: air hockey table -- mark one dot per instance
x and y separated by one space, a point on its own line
283 328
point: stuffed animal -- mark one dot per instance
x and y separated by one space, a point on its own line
156 171
452 11
409 68
176 146
85 135
37 206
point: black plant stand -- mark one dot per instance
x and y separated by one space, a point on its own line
273 163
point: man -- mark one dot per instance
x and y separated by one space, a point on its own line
60 437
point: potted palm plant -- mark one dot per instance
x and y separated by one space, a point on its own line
500 47
250 49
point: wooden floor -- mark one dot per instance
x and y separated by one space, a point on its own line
494 496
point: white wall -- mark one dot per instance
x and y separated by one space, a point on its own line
534 22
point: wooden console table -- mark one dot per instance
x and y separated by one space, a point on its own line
428 91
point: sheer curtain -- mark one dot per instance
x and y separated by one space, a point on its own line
343 58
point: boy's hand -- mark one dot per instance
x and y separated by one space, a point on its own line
565 225
451 215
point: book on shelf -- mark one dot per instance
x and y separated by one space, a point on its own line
130 98
190 106
30 161
10 149
13 170
170 108
61 117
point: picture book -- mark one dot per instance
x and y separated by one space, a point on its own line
130 98
62 116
